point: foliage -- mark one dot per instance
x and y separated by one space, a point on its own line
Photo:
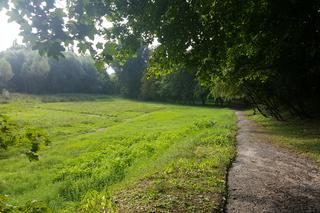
180 86
31 206
94 201
110 143
133 82
36 74
267 49
130 74
32 73
5 73
11 134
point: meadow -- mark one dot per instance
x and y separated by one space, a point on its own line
149 156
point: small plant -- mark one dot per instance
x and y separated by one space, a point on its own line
31 206
94 201
11 134
202 124
36 138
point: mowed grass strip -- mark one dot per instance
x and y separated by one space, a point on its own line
152 157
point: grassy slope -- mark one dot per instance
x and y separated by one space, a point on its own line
151 156
301 136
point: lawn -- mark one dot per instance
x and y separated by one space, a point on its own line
152 157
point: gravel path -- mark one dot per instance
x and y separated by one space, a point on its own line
266 178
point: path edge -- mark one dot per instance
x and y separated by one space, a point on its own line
228 168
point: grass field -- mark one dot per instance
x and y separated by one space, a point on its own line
303 136
150 156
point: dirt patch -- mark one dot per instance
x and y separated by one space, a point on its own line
266 178
149 196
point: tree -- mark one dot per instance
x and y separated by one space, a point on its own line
6 73
130 74
201 93
175 87
178 86
39 74
16 58
150 87
34 72
268 49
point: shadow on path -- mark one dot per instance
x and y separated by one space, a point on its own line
266 178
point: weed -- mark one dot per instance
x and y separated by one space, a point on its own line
151 156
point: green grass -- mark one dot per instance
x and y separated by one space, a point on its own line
303 136
151 156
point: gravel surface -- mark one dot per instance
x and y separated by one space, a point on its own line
266 178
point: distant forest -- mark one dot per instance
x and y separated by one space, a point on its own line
23 70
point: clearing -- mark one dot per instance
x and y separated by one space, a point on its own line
152 157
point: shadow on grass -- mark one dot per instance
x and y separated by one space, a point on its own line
302 135
53 98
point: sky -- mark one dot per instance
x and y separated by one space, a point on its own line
9 32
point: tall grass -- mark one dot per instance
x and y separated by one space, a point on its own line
110 143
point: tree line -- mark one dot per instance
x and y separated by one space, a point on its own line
24 70
133 81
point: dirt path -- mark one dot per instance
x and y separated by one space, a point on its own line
265 178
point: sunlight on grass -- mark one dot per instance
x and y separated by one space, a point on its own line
116 144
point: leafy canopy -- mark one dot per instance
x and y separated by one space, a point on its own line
267 49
